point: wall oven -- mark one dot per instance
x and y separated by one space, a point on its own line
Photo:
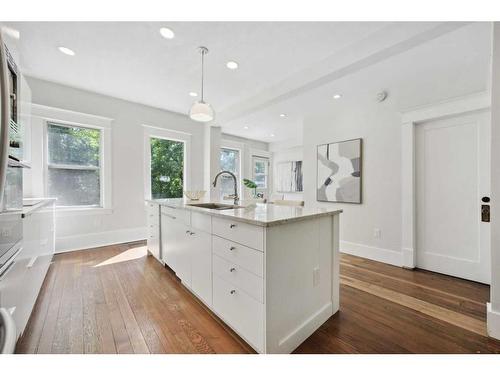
11 176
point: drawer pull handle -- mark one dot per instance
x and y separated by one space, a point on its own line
188 232
191 233
232 226
232 248
232 291
232 269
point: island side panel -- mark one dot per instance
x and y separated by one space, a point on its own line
335 263
300 262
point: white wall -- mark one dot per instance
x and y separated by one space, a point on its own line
380 127
127 221
286 154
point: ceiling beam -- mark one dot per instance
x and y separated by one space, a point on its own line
381 45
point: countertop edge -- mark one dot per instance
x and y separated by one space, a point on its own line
28 210
246 220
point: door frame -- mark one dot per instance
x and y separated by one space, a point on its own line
410 119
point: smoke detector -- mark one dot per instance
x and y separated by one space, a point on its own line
381 96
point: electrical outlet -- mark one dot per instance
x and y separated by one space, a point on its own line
377 233
316 276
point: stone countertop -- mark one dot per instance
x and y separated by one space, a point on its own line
31 205
262 214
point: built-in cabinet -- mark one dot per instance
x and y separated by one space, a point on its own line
153 213
264 282
22 280
186 249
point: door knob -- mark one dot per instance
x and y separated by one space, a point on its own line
485 199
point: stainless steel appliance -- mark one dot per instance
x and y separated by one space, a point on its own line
11 180
7 332
11 177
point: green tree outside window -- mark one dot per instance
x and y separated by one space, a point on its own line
167 168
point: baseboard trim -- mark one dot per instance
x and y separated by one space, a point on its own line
289 343
91 240
493 322
371 252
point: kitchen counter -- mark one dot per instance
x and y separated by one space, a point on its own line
31 205
262 214
270 272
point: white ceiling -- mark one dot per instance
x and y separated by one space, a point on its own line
284 67
452 65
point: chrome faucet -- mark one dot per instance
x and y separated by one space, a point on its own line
235 196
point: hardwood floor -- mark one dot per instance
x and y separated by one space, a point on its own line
116 299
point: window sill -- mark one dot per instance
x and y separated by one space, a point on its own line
75 211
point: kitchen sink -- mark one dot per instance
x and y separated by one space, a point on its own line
214 206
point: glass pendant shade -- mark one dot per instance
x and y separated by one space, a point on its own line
202 112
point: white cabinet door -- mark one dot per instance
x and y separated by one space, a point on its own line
201 265
175 250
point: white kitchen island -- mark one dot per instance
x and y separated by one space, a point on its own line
269 272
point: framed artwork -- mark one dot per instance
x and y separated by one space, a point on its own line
289 177
339 172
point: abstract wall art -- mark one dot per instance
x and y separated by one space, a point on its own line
289 177
339 172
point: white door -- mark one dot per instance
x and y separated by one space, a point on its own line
452 176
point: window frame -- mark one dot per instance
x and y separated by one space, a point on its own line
169 135
71 118
268 168
235 146
75 167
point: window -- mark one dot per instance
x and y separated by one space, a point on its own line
229 161
260 172
167 168
74 165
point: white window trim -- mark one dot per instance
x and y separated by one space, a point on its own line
71 118
255 152
171 135
265 159
240 147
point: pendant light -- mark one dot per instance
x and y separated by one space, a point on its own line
201 111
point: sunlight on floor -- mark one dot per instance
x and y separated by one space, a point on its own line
131 254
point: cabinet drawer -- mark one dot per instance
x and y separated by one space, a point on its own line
241 312
201 222
248 282
246 257
245 234
177 213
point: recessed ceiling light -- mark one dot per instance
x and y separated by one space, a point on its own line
283 115
66 51
337 96
232 65
245 127
272 135
167 33
193 94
